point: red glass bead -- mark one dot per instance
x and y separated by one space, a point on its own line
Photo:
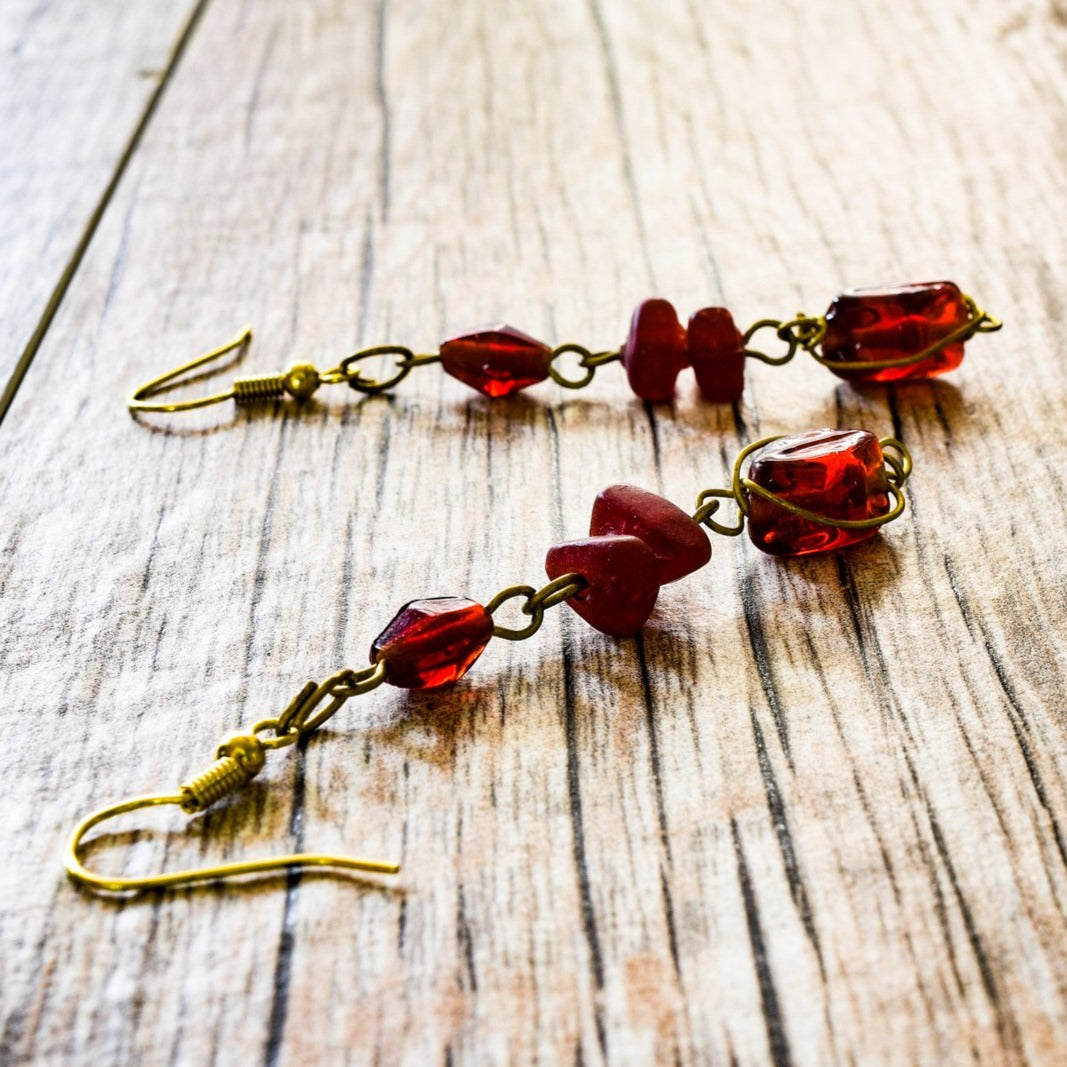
882 324
836 473
678 543
654 352
432 642
717 355
621 572
496 360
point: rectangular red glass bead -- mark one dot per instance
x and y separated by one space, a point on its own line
877 325
838 474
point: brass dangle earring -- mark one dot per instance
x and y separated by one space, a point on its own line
813 492
867 335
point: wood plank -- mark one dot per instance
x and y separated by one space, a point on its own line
815 814
76 86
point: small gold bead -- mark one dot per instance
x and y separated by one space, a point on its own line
247 750
301 380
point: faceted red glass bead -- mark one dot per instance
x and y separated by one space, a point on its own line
717 355
654 352
678 543
621 572
836 473
496 360
432 642
882 324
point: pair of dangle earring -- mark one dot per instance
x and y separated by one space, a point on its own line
906 333
797 495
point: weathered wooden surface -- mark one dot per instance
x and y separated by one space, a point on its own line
815 815
78 84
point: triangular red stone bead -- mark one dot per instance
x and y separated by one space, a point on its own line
621 572
676 540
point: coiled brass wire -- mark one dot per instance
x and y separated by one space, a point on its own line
261 387
807 332
894 454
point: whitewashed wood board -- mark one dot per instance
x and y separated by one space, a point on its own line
78 83
814 815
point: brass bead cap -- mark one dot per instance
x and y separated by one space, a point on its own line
246 750
301 380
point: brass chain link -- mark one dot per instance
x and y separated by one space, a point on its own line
298 718
536 602
405 360
802 332
588 361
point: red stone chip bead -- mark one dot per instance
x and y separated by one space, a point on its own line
717 355
883 324
496 360
678 543
835 473
432 642
655 351
621 572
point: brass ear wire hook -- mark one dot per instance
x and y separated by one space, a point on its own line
80 874
237 762
298 380
139 401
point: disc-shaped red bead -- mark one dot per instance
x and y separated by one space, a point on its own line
678 543
496 360
717 355
838 474
621 572
654 352
882 324
432 642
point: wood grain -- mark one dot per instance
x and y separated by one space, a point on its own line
815 814
79 83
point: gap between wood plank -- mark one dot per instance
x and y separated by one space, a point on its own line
28 353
